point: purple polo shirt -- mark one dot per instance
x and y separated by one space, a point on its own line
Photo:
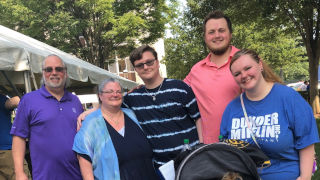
50 126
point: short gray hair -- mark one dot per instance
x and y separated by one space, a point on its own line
68 81
105 82
43 62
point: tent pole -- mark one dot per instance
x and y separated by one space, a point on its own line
34 80
31 72
27 83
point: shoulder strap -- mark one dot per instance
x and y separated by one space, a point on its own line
247 120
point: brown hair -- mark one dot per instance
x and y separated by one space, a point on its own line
216 15
137 53
267 72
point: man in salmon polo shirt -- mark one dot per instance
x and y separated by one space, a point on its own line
211 79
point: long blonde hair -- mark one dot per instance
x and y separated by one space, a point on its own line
267 72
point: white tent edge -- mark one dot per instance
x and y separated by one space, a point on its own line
19 52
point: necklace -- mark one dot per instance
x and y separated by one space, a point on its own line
153 95
115 119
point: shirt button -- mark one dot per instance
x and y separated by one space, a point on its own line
60 109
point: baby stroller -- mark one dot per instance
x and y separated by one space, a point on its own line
213 161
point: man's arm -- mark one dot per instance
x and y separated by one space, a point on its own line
83 115
193 108
85 168
12 103
18 153
199 129
306 156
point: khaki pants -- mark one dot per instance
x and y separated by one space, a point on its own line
7 166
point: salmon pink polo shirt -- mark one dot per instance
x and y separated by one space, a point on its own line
214 88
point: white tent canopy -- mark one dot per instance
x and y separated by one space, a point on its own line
20 54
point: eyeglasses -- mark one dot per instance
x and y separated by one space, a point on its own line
148 63
57 69
112 92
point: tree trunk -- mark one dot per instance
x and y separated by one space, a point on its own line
101 57
313 73
314 94
101 61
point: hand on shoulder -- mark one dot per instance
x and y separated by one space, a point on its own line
83 115
137 87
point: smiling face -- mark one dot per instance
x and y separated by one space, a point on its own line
247 72
111 95
217 36
54 73
147 67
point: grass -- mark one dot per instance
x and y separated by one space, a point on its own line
316 176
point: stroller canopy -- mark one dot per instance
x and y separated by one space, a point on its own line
213 161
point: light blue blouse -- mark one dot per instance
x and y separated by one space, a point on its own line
94 140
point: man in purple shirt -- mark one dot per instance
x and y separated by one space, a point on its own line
47 117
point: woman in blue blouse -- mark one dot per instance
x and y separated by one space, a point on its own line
110 143
278 119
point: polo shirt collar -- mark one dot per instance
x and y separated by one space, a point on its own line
209 63
44 92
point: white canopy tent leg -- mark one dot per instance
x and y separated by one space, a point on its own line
31 72
27 83
34 81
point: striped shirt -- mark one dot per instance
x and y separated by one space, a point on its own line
167 120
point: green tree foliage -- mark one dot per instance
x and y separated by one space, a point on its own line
280 48
94 30
305 19
300 18
183 50
282 52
